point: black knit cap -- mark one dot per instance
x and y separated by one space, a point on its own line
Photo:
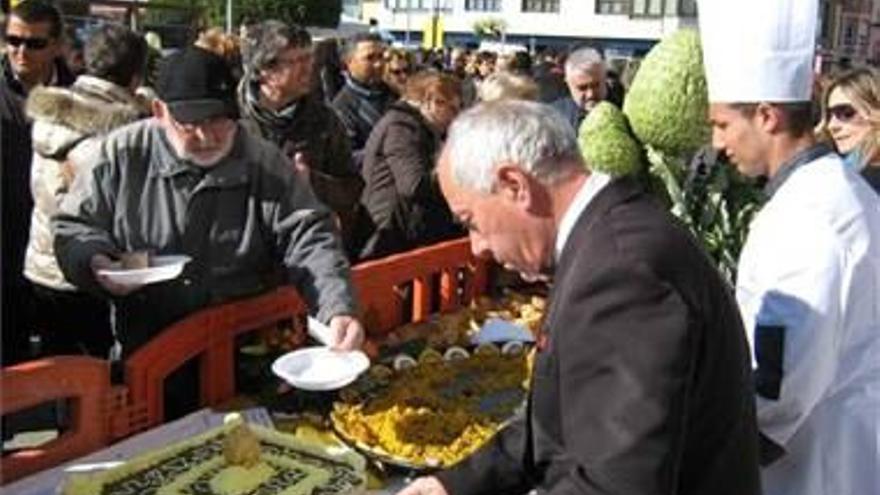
197 85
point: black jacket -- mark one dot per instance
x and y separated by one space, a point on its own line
872 175
405 208
642 381
17 205
360 109
16 165
314 130
572 112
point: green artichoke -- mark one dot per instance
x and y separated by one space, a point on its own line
667 102
606 143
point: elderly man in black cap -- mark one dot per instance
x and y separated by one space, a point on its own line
191 181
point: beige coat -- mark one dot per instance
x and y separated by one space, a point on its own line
68 125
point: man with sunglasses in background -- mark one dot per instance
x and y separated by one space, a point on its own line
192 181
32 36
808 281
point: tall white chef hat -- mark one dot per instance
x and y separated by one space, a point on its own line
758 50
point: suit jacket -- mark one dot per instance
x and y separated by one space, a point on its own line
641 383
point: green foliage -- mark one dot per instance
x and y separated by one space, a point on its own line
489 28
713 200
606 143
667 102
324 13
664 121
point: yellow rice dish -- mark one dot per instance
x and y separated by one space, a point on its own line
434 414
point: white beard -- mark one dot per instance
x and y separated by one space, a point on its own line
209 158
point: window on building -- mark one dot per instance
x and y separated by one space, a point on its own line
612 7
412 5
540 6
483 5
657 8
647 8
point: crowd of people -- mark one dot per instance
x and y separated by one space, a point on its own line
360 121
272 159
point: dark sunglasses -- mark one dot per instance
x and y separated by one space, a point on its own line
843 112
29 43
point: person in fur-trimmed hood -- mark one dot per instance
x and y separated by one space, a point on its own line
68 124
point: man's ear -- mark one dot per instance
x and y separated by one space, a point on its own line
768 117
159 109
512 183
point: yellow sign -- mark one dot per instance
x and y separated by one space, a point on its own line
432 32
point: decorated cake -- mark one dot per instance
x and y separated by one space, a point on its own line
235 459
434 411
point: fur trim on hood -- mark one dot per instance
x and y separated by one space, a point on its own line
65 116
82 113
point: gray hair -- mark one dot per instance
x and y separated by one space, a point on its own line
530 135
582 60
267 40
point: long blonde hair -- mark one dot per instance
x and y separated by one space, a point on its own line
862 87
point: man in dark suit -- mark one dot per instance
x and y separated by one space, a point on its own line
641 382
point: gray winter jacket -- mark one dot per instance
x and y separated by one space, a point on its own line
68 122
249 223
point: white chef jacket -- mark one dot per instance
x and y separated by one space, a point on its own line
809 292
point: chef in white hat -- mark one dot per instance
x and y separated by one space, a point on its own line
809 274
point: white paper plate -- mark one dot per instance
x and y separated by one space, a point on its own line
162 268
320 368
496 330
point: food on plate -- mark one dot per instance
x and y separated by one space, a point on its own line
436 413
135 260
456 328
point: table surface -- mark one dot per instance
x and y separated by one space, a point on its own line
48 482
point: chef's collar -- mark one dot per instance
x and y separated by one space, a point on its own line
802 158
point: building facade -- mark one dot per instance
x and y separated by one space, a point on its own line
625 27
850 33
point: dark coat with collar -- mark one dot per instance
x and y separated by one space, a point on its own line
360 109
404 206
15 147
642 380
317 132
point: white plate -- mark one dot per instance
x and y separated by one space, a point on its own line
497 330
320 368
162 268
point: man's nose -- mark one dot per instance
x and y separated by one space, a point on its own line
717 140
591 94
205 136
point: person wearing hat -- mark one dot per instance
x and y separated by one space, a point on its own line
809 274
191 181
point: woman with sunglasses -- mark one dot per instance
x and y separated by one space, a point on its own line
398 68
851 118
